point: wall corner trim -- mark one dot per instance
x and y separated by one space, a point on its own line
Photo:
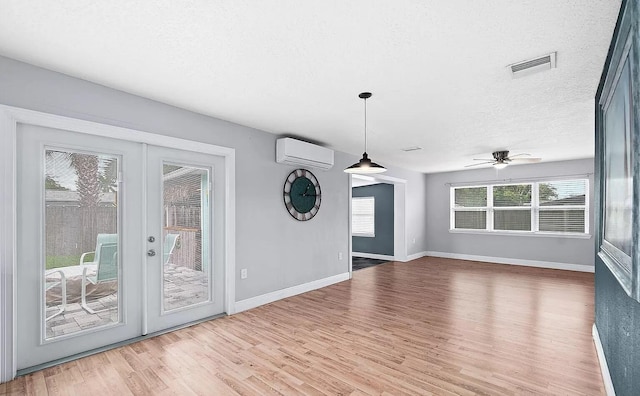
514 261
604 367
253 302
416 256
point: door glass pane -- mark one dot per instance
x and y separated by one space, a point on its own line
185 239
81 242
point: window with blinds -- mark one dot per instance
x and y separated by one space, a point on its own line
470 208
363 216
512 207
563 206
538 207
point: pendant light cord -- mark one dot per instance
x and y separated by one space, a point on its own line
365 125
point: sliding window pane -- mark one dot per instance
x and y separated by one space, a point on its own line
512 220
562 193
512 195
472 220
472 197
562 220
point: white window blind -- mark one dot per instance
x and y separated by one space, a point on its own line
512 207
537 207
563 206
363 216
470 208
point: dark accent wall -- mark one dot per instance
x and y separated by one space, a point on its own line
382 243
618 323
617 314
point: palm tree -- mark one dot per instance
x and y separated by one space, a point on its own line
88 182
88 186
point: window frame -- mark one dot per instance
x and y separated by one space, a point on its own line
364 235
535 208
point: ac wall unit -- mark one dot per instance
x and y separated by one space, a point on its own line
296 152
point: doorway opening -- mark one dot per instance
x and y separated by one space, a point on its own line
377 213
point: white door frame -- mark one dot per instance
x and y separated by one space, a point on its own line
10 117
399 215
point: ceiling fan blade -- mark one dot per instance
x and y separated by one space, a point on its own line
484 159
519 155
482 163
526 159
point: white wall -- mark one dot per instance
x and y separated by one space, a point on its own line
415 209
535 248
278 251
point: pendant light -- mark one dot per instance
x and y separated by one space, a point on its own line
365 165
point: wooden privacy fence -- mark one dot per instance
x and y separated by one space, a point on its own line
72 230
188 250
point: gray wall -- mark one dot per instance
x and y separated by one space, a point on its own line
269 242
552 249
382 243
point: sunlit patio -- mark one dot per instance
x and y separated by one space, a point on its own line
182 287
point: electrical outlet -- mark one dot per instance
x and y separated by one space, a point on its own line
340 256
243 273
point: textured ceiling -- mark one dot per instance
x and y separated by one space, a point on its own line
437 69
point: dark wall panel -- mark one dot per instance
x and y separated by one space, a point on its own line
618 314
382 243
618 323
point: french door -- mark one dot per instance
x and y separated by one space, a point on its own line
115 239
184 211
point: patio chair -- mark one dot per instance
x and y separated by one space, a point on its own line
100 240
170 242
106 271
52 282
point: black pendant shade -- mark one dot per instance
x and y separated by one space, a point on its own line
365 165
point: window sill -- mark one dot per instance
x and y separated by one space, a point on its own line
523 233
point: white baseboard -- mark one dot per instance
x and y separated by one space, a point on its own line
513 261
417 255
604 367
390 258
257 301
373 256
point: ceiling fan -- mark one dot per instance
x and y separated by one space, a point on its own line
501 159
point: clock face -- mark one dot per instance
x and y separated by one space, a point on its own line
302 194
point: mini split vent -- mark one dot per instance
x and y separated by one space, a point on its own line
531 66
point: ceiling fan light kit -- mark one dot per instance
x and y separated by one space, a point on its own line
365 165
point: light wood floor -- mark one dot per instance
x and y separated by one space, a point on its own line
430 326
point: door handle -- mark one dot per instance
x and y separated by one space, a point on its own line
151 252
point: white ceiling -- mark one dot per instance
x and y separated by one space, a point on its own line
437 69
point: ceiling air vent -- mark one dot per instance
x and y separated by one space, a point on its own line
412 148
531 66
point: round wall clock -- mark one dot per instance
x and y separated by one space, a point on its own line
302 194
